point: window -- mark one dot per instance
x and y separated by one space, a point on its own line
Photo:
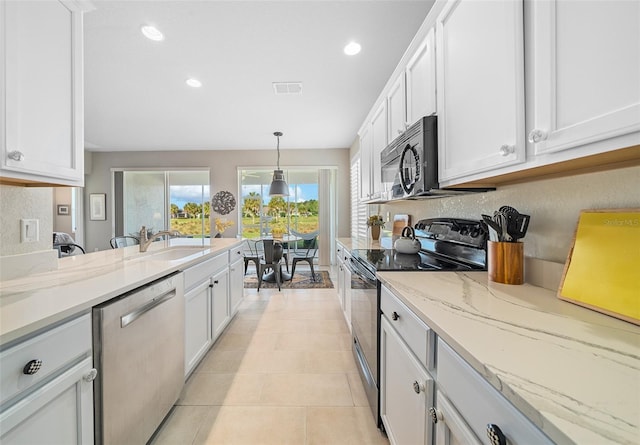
161 200
264 215
358 210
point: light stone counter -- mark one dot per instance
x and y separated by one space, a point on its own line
573 372
82 281
365 243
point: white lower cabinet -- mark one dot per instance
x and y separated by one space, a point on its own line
344 281
220 301
214 291
197 314
480 405
406 390
451 428
47 387
236 280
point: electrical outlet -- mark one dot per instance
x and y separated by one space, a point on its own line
29 230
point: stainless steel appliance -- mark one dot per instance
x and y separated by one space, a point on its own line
139 353
447 244
409 163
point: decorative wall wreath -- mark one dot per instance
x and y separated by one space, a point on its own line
223 203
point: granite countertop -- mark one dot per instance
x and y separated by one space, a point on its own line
35 301
573 372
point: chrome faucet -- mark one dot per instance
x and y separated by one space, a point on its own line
146 242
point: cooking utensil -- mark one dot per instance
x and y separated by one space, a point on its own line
501 219
517 223
494 229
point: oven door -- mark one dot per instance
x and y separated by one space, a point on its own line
365 327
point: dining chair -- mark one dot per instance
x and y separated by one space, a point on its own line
252 253
65 244
123 241
307 253
272 260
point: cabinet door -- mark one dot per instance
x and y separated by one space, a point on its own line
406 391
378 143
43 110
220 301
236 286
340 285
60 412
396 108
451 429
197 325
586 71
347 294
480 87
421 81
365 162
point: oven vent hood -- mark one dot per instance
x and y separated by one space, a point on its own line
385 197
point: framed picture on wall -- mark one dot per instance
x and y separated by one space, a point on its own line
98 206
63 209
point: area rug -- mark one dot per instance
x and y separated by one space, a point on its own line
301 280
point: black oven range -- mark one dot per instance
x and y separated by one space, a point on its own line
447 244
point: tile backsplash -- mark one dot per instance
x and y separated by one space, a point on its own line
554 206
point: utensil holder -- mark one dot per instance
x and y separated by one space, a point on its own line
505 262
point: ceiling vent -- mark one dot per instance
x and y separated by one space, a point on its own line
287 87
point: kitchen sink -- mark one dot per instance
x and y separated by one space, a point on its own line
170 253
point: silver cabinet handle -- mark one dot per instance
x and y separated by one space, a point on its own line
537 135
32 367
91 375
15 155
435 414
495 434
418 387
506 150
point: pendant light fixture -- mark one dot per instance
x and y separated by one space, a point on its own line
279 186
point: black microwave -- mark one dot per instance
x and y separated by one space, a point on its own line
409 164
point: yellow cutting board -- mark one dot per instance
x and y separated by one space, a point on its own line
602 271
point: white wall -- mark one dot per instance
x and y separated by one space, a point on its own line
223 165
554 206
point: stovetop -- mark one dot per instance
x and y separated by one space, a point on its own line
448 244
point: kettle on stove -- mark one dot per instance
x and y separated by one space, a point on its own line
407 243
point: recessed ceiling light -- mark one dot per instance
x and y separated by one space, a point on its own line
152 33
352 48
194 83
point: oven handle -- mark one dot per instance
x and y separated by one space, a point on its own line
356 268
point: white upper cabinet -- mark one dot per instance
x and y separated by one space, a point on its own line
586 72
365 162
396 108
41 114
421 81
378 143
480 86
413 94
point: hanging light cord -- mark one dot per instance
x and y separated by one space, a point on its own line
277 134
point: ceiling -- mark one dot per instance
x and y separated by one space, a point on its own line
135 92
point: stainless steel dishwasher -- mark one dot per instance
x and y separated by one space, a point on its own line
138 346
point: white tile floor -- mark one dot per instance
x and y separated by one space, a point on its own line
281 373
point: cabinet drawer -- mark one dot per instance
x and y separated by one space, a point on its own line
235 254
58 349
481 404
196 274
418 336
